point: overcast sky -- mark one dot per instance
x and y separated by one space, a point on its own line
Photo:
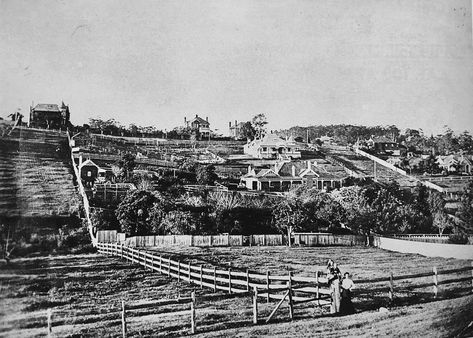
403 62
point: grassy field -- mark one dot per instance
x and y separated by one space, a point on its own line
81 288
35 177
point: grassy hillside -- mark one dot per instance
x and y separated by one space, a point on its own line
37 193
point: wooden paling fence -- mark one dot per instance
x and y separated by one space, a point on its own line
302 239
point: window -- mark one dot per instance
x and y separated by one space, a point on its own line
89 174
264 149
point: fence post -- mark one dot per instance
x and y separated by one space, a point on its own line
50 323
200 270
247 280
178 271
291 307
472 276
335 291
267 286
215 279
255 305
169 266
123 320
317 287
152 262
436 281
229 280
391 287
160 263
193 312
189 272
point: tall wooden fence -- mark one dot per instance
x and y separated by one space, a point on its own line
302 239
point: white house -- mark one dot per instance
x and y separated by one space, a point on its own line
272 146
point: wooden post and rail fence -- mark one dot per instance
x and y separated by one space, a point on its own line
240 284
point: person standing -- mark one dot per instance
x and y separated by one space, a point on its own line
346 305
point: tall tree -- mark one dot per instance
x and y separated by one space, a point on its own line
259 123
247 131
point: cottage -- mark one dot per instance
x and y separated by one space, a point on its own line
272 146
385 146
49 116
285 175
198 124
90 172
459 164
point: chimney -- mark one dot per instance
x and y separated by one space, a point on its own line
196 115
293 169
185 120
207 119
229 124
249 168
309 165
235 123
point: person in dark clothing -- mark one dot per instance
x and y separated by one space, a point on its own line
346 305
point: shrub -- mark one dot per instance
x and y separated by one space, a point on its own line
458 238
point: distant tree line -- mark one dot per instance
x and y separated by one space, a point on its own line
414 139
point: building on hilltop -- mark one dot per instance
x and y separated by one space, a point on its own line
235 129
50 116
386 147
283 176
198 124
272 146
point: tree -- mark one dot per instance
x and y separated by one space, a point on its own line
259 123
465 212
127 164
205 174
179 222
140 212
247 131
441 222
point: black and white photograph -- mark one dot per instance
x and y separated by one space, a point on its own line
236 168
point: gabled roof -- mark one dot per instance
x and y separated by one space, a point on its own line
47 107
382 139
267 172
199 120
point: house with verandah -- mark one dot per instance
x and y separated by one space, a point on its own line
283 176
272 146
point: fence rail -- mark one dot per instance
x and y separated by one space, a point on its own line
304 288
